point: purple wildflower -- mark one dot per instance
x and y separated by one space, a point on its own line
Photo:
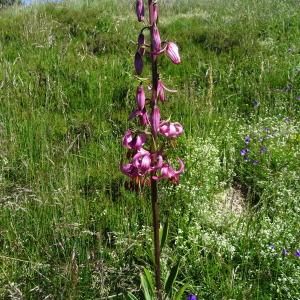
272 246
156 41
297 253
247 139
140 10
141 43
255 162
191 297
263 149
298 98
153 13
138 63
244 151
284 252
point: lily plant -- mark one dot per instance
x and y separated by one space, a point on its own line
147 160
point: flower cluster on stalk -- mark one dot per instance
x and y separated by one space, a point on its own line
145 151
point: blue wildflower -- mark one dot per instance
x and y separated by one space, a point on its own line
272 246
191 297
247 139
263 149
297 253
284 252
244 151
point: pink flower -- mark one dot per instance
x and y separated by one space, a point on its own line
173 52
140 97
142 161
141 43
129 170
161 90
170 130
156 41
142 114
140 10
140 165
155 120
157 161
153 14
169 173
136 142
138 63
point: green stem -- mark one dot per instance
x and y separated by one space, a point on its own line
154 190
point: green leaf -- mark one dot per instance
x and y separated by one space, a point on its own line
145 288
164 234
130 296
172 277
150 282
179 295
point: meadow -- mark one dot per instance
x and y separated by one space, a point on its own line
69 226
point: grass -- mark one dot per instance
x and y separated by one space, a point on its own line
68 226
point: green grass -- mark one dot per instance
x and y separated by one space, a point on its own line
68 226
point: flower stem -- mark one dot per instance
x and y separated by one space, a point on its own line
154 193
155 215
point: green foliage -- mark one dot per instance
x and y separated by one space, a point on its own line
69 226
9 2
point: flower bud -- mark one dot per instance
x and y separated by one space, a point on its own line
156 41
153 13
140 97
173 52
140 10
155 120
138 63
141 42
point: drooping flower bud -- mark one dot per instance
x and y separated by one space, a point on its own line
153 13
155 120
140 10
173 53
170 130
140 97
156 41
141 42
138 63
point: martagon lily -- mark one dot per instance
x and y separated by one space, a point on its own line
145 145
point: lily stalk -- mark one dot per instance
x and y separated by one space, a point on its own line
148 162
155 120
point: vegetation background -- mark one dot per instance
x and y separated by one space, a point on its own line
69 228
